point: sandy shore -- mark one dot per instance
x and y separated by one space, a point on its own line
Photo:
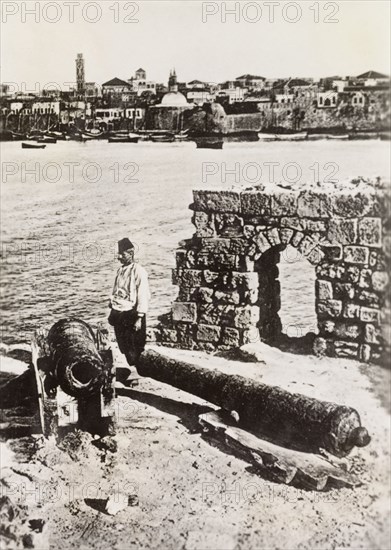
186 493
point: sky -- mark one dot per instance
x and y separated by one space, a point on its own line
202 40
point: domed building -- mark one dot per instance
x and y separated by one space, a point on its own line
168 115
174 99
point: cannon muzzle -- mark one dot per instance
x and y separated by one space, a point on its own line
76 363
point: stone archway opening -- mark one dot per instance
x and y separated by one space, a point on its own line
287 315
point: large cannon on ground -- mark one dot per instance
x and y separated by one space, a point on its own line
75 377
292 419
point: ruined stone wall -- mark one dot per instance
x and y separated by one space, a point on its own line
227 273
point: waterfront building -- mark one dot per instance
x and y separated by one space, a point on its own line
372 78
46 107
115 88
233 94
326 99
140 84
250 81
92 90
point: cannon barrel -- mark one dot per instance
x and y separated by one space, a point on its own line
75 360
291 418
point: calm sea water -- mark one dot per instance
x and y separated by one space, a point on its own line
59 226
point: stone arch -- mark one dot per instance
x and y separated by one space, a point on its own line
344 233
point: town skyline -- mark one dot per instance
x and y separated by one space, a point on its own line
210 51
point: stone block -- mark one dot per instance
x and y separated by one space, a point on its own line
255 203
298 236
370 315
205 295
306 245
346 349
344 291
248 231
216 201
365 280
370 232
342 231
187 277
285 235
356 254
261 243
380 280
316 226
311 205
351 311
185 335
251 335
208 347
245 316
284 204
330 308
298 224
327 327
372 334
216 314
215 245
168 335
351 205
185 312
320 346
208 333
365 352
332 252
315 256
239 246
346 330
227 297
353 274
324 290
230 337
229 225
273 236
204 224
368 298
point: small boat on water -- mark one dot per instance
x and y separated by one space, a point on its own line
182 136
47 139
316 137
209 144
123 139
32 146
163 139
266 137
301 136
341 137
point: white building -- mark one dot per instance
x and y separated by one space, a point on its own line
46 107
326 99
235 94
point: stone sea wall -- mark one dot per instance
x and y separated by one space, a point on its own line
227 273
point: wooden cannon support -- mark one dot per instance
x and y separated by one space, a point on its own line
276 429
75 377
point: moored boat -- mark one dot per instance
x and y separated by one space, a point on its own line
209 143
341 137
123 139
47 139
301 136
163 139
32 146
266 137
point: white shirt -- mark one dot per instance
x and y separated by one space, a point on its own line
131 289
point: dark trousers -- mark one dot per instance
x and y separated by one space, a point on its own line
130 342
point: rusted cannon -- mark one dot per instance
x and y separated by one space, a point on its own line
290 418
75 361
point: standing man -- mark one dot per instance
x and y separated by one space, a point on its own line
129 303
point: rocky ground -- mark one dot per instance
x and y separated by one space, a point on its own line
174 489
